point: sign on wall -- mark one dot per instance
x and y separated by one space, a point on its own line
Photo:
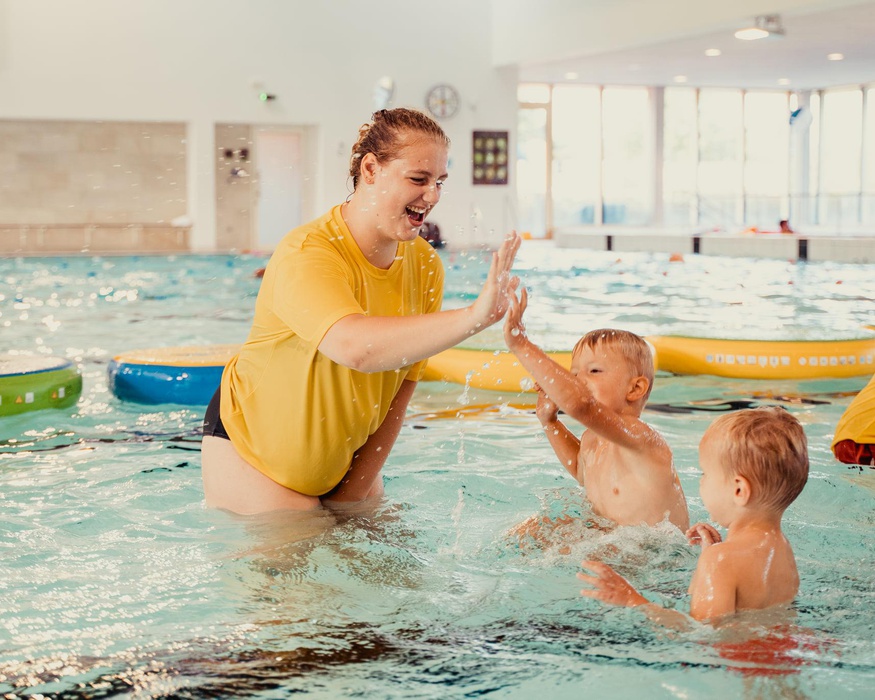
490 158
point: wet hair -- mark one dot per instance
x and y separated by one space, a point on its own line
766 446
631 346
386 136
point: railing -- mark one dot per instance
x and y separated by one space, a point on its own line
838 214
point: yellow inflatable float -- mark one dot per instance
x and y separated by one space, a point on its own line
499 370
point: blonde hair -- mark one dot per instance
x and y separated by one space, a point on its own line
384 136
634 349
767 446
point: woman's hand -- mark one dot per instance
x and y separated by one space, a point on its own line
608 586
703 534
492 303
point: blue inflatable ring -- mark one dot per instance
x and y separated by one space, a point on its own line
31 383
180 375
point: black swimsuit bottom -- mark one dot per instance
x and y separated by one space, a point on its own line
212 420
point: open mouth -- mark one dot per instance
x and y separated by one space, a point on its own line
416 215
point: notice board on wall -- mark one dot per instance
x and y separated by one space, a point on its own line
490 158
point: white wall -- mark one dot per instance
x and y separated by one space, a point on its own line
196 61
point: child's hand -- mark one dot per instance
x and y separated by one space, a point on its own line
703 534
608 586
546 410
514 328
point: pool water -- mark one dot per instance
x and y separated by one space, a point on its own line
116 580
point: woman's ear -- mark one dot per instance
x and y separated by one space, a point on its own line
369 167
742 492
637 389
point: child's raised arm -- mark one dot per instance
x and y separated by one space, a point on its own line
563 388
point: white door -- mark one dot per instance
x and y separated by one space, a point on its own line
278 158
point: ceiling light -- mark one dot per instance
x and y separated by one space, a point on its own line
571 75
680 78
783 81
763 26
835 57
713 52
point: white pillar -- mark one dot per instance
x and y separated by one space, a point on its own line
200 141
658 102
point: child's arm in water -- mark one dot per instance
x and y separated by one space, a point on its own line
712 590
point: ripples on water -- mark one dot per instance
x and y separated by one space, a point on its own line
115 580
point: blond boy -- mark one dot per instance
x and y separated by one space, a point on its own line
624 464
754 464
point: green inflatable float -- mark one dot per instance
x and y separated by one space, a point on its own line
32 383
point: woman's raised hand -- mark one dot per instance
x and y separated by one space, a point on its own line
492 303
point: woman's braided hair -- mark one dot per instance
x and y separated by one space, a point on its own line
384 136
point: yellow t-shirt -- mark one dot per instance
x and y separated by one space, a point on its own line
289 410
858 421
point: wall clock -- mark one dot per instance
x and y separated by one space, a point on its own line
442 101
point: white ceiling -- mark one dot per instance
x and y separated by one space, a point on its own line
799 56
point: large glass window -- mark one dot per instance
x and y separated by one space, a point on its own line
627 175
721 157
577 155
767 158
730 158
532 170
841 142
680 156
869 158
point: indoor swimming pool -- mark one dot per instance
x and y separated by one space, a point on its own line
116 580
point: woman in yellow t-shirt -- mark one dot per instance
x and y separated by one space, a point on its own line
347 315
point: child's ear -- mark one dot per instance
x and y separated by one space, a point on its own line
742 490
637 389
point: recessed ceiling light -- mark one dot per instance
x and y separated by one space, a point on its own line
713 52
783 81
763 26
680 78
751 33
571 75
835 57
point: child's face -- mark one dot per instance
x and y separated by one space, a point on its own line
715 486
605 372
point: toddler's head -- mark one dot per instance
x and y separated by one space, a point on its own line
766 446
628 347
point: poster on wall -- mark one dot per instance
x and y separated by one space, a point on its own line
490 158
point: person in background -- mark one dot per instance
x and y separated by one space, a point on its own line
348 312
754 464
432 233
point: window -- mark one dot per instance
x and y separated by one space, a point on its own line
627 175
576 155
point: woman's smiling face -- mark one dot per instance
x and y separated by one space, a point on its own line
403 191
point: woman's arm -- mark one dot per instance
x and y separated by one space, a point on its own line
380 343
368 460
